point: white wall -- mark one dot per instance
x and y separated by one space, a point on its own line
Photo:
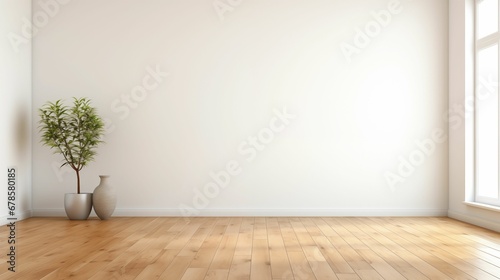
357 117
15 107
461 89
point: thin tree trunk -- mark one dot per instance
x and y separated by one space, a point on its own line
78 181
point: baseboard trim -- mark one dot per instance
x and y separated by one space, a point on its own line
123 212
474 220
19 215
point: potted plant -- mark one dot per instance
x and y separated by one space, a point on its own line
74 132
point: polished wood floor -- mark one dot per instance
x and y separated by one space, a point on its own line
252 248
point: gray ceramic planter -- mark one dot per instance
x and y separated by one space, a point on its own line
78 206
104 198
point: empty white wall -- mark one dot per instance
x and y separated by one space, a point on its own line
461 136
15 105
363 105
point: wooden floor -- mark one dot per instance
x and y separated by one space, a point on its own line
252 248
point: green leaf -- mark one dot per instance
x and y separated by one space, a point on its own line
74 132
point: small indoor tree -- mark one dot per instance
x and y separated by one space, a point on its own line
74 132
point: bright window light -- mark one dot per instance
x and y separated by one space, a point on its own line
487 18
486 109
487 122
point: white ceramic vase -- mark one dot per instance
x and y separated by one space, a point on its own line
104 198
